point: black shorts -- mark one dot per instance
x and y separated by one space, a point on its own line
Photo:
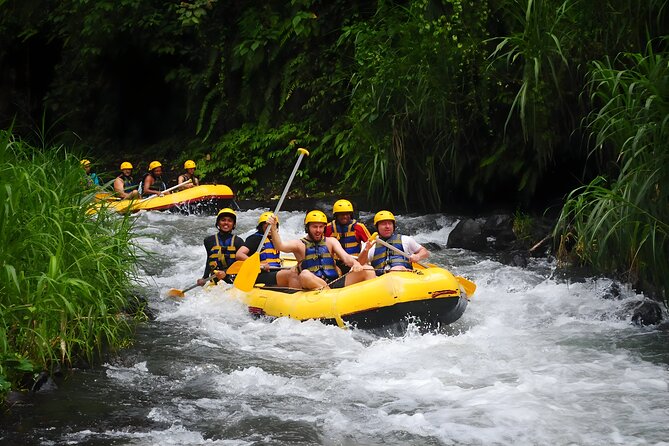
338 283
267 277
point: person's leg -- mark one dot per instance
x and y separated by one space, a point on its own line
399 268
287 278
309 281
360 276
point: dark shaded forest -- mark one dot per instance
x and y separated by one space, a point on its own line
423 105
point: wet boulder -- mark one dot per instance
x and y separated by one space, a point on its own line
492 233
468 234
648 312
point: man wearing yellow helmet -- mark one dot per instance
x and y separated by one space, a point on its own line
270 257
92 178
124 185
344 228
189 175
315 255
152 183
383 259
221 247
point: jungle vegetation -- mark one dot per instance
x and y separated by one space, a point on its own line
66 275
421 104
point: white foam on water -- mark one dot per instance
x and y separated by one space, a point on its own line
536 362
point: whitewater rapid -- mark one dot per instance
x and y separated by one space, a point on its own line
533 361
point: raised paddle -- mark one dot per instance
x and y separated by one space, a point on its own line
173 292
467 285
246 277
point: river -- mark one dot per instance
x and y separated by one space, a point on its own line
533 361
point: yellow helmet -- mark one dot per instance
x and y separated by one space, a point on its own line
84 163
154 164
382 216
264 216
315 217
226 211
190 164
342 206
126 165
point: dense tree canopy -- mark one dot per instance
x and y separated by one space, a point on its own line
423 103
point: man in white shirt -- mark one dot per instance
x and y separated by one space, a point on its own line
384 259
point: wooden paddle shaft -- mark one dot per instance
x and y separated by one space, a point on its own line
166 190
398 251
283 195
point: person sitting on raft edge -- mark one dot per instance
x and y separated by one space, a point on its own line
350 233
188 175
124 184
221 247
384 259
315 255
152 183
272 274
92 178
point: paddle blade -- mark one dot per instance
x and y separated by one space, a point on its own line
248 273
234 268
175 294
467 285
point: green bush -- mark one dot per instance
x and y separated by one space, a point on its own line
621 220
65 274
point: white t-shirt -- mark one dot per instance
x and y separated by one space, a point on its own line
409 245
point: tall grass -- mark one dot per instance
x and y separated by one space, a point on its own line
622 223
65 276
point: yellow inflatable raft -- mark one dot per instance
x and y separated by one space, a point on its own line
432 297
199 199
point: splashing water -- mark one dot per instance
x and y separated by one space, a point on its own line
532 361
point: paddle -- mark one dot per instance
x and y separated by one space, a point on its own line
236 267
246 277
173 292
164 191
467 285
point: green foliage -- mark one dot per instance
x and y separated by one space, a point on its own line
252 156
523 226
414 97
65 276
622 224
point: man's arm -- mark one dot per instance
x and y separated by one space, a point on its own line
242 253
361 232
118 187
334 245
417 251
148 184
294 246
